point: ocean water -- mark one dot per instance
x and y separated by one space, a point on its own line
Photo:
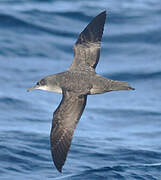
119 134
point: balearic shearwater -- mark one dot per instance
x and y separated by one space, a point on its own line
75 84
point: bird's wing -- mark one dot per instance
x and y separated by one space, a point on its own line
64 122
87 46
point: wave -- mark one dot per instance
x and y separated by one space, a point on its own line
12 102
134 76
130 112
14 23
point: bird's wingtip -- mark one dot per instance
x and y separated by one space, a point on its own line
103 13
132 88
59 168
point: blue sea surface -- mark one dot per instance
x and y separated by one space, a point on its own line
119 134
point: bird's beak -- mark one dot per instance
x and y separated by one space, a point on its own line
34 87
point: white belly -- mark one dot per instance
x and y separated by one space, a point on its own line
55 89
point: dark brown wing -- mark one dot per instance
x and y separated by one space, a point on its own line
87 47
64 122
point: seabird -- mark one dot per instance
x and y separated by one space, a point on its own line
75 84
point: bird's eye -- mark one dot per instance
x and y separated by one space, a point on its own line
38 83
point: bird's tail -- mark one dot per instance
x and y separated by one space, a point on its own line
103 85
120 85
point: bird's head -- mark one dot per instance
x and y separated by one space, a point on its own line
48 83
42 84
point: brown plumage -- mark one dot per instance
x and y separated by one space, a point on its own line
75 84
